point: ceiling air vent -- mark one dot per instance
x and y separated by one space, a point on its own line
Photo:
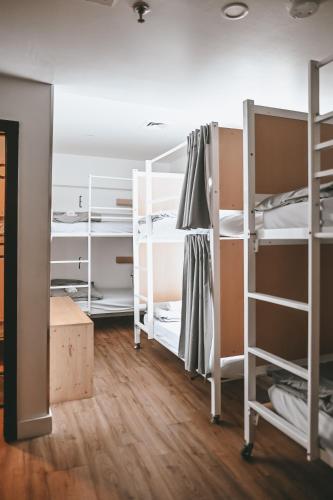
155 124
108 3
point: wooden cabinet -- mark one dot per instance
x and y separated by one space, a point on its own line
71 351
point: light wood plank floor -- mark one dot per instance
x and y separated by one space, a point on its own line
146 435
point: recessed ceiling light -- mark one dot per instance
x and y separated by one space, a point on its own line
235 10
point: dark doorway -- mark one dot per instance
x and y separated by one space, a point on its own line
9 133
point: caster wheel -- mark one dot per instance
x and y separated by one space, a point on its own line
137 346
215 419
247 451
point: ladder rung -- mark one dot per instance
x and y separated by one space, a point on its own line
324 118
279 422
324 236
280 362
324 145
324 173
69 261
293 304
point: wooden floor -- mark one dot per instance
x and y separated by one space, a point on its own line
146 435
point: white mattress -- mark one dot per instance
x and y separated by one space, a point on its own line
96 227
168 334
165 228
115 300
289 216
294 410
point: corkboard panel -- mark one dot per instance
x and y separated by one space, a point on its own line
282 271
326 134
281 154
232 298
231 168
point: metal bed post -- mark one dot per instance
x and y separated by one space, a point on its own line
89 242
249 273
150 260
215 259
136 262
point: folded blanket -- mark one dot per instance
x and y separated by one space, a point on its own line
296 196
73 217
299 387
69 289
168 311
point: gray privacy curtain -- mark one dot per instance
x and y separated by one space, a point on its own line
197 306
194 206
196 322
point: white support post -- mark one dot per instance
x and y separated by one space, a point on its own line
150 258
89 242
249 269
136 261
215 259
313 263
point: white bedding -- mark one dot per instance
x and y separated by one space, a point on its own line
290 216
168 334
96 227
294 410
115 300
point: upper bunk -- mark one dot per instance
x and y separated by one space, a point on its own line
107 212
277 207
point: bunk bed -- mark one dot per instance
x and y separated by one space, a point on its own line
284 150
110 221
158 249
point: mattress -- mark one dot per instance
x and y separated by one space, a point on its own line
115 301
294 410
167 333
107 227
285 217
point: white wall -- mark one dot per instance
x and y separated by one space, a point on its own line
30 103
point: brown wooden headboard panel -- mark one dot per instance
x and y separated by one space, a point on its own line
281 154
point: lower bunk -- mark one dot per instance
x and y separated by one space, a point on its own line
167 327
288 398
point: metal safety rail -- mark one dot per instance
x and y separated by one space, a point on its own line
308 438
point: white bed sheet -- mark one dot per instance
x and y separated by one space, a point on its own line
168 334
115 300
96 227
289 216
294 410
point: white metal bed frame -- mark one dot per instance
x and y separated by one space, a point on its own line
312 236
89 235
214 238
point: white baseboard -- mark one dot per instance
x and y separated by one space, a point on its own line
34 427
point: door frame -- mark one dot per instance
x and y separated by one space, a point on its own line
11 130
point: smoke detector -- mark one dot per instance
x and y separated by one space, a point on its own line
235 10
300 9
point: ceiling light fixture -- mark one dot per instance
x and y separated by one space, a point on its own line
142 9
300 9
235 11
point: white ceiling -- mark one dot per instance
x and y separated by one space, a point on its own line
184 66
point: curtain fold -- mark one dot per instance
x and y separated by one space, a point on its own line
197 307
194 202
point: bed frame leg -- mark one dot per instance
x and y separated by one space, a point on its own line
215 419
137 335
247 451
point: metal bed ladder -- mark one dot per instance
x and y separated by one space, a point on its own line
309 438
